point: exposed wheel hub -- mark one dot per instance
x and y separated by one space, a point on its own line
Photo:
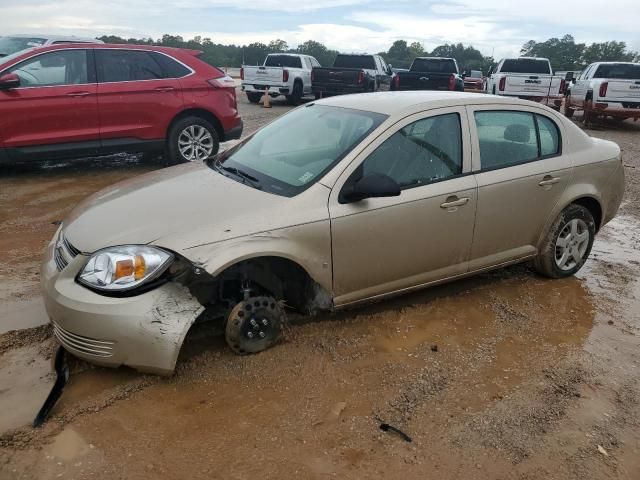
254 325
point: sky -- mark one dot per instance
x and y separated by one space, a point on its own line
492 26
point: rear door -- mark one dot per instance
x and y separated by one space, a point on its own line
520 180
54 111
137 97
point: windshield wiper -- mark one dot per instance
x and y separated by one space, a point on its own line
239 173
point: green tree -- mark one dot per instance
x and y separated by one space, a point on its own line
277 46
563 53
318 51
608 52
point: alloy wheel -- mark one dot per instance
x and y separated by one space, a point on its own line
572 244
195 143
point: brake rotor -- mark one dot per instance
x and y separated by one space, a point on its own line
254 324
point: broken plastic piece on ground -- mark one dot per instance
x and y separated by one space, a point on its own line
385 427
62 377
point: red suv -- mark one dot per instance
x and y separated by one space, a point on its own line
81 100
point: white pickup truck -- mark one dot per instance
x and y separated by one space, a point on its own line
606 89
285 74
528 78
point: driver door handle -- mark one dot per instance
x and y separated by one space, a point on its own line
453 202
549 180
78 94
165 89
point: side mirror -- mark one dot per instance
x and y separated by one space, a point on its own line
464 74
9 80
573 80
370 186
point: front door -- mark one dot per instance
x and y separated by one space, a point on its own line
54 111
521 174
384 245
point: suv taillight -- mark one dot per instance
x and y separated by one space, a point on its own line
360 77
241 73
603 89
285 75
563 86
222 82
503 81
452 82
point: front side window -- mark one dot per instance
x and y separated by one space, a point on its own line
126 66
63 67
296 150
510 138
423 152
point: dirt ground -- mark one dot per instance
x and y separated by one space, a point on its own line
506 375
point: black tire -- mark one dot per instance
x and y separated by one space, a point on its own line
587 114
175 156
494 90
296 95
254 325
254 97
568 111
546 263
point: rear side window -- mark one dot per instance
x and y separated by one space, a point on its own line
62 67
510 138
171 68
620 71
525 65
126 66
283 61
355 61
423 152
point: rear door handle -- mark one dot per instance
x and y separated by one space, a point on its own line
165 89
453 202
548 180
78 94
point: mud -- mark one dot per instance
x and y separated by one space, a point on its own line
505 375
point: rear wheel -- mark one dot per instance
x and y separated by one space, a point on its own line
587 112
254 97
254 324
568 243
192 139
296 94
568 111
494 90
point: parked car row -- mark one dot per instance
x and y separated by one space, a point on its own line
79 100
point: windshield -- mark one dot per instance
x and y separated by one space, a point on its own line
283 61
9 45
355 61
434 65
620 71
526 65
296 150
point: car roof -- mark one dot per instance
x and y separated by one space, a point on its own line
55 38
394 103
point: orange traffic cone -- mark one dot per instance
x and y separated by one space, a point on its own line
266 103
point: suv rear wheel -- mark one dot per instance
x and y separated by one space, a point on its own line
192 139
254 97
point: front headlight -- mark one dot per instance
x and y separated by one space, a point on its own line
124 267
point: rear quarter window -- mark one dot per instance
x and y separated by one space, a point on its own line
171 67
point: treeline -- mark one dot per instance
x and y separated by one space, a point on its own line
564 53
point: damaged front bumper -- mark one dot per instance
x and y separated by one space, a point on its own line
144 331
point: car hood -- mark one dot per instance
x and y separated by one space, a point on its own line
178 208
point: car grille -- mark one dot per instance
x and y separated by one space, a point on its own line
64 252
81 344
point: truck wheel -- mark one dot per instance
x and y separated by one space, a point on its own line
587 115
192 139
568 111
296 94
254 324
567 244
253 97
494 90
